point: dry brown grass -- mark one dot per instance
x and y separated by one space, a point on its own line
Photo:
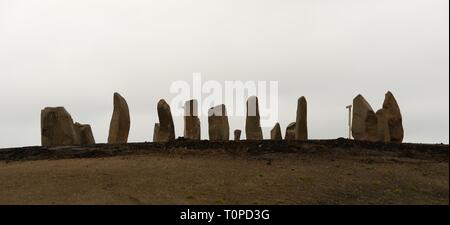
215 177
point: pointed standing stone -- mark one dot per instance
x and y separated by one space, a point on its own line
237 135
393 117
382 127
364 122
275 133
120 121
191 120
301 126
290 132
219 128
253 129
57 128
84 133
166 131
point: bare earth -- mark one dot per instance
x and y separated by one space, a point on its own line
339 172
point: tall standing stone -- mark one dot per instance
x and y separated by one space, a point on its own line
237 135
290 132
393 117
219 128
191 120
57 128
166 130
120 121
301 126
84 133
253 129
275 133
383 133
364 122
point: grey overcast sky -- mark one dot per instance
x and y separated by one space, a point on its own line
76 53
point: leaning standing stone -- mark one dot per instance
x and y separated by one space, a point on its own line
301 126
219 128
253 129
364 122
191 120
393 117
84 133
120 121
275 133
57 128
166 131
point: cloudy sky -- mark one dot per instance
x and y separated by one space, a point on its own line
76 53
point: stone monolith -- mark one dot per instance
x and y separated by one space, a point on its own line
84 133
166 130
394 118
364 122
290 132
275 133
120 122
253 129
191 120
57 128
301 126
219 128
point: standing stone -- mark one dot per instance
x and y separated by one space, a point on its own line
382 127
57 128
275 133
84 133
290 132
253 129
237 135
120 121
364 122
191 120
166 130
301 126
393 117
219 129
